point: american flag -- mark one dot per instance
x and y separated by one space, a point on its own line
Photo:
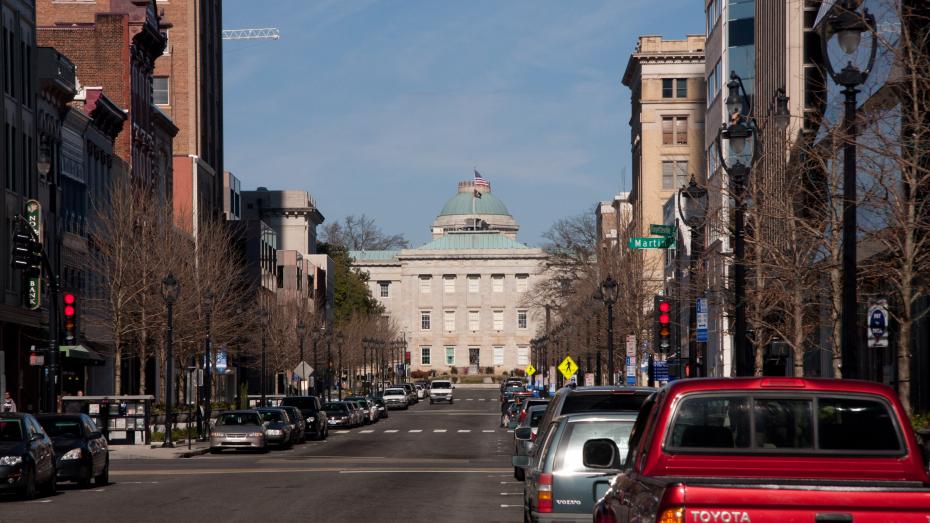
480 181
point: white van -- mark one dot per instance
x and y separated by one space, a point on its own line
440 390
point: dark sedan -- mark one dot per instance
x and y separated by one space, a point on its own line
81 451
312 412
277 426
27 457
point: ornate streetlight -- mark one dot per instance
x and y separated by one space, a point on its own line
847 24
695 198
170 289
609 296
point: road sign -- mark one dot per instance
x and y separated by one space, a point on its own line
878 323
221 361
631 345
568 367
662 230
660 369
34 284
530 370
655 242
303 370
701 332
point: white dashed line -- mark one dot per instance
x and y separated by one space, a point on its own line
365 431
439 430
464 430
415 430
488 431
511 493
391 431
511 506
469 399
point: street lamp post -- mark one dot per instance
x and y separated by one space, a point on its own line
263 320
170 288
208 366
847 24
301 332
44 166
738 133
694 212
609 295
329 367
340 341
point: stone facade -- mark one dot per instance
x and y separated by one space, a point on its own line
463 299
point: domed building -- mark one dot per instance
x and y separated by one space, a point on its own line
462 299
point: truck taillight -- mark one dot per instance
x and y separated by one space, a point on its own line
522 416
544 493
533 437
672 515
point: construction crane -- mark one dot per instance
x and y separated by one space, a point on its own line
267 33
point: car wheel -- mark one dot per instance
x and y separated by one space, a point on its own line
51 487
103 478
87 475
526 516
519 474
28 490
430 402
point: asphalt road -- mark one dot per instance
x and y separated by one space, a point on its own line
430 463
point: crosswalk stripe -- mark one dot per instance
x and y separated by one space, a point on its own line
415 430
366 431
391 430
464 430
439 430
470 399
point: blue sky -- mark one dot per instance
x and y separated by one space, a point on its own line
380 107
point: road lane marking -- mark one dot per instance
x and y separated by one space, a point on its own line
511 482
511 493
488 431
301 470
391 431
470 399
439 430
464 430
366 431
415 430
511 506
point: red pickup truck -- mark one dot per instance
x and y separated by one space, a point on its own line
759 450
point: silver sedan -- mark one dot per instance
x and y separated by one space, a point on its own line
238 429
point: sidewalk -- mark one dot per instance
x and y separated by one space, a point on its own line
155 451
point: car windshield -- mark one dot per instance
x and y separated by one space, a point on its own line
300 403
580 432
62 428
514 389
338 408
536 416
441 385
603 402
11 430
272 415
238 418
394 392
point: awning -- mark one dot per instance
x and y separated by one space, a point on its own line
80 352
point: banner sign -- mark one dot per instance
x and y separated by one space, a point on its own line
701 332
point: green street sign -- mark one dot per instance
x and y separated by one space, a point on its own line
34 285
660 242
662 230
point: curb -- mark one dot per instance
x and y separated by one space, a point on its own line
195 452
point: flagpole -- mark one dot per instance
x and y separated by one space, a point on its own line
474 212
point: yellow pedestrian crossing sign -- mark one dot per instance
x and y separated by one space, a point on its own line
530 370
568 367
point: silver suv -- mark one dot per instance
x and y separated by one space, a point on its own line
440 390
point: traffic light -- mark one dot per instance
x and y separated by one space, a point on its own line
27 253
70 311
663 323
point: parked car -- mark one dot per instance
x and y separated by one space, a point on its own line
509 392
528 403
560 485
382 408
359 415
312 412
411 392
440 390
768 450
569 400
238 429
27 456
396 398
511 382
339 415
81 451
277 426
369 409
524 440
299 435
421 392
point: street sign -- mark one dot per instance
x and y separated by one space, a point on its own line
655 242
34 284
662 230
303 370
530 370
36 359
660 370
589 379
568 367
631 345
878 323
221 361
701 332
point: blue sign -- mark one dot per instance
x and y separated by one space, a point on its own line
701 332
660 370
221 361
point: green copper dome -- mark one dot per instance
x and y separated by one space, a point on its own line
461 204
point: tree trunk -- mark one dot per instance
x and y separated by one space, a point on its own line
117 368
904 361
797 345
836 284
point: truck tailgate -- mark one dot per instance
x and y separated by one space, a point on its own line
802 504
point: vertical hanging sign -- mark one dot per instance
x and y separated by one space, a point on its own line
701 332
34 283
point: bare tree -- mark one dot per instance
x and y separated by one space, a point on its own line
360 233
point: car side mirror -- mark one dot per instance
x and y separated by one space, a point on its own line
94 435
599 453
521 461
36 436
523 433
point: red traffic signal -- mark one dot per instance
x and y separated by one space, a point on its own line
663 319
70 311
665 306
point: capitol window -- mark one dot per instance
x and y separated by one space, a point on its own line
521 320
523 355
474 320
426 284
448 284
474 283
498 320
449 320
424 356
497 283
425 318
523 282
450 355
385 288
498 355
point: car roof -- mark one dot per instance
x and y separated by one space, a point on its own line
58 416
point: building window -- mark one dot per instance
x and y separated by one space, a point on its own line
426 284
498 355
474 283
681 88
280 277
521 320
449 320
385 288
667 87
160 90
474 320
674 173
450 355
523 355
166 34
425 319
675 130
713 83
523 281
448 284
674 88
498 320
424 356
497 283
